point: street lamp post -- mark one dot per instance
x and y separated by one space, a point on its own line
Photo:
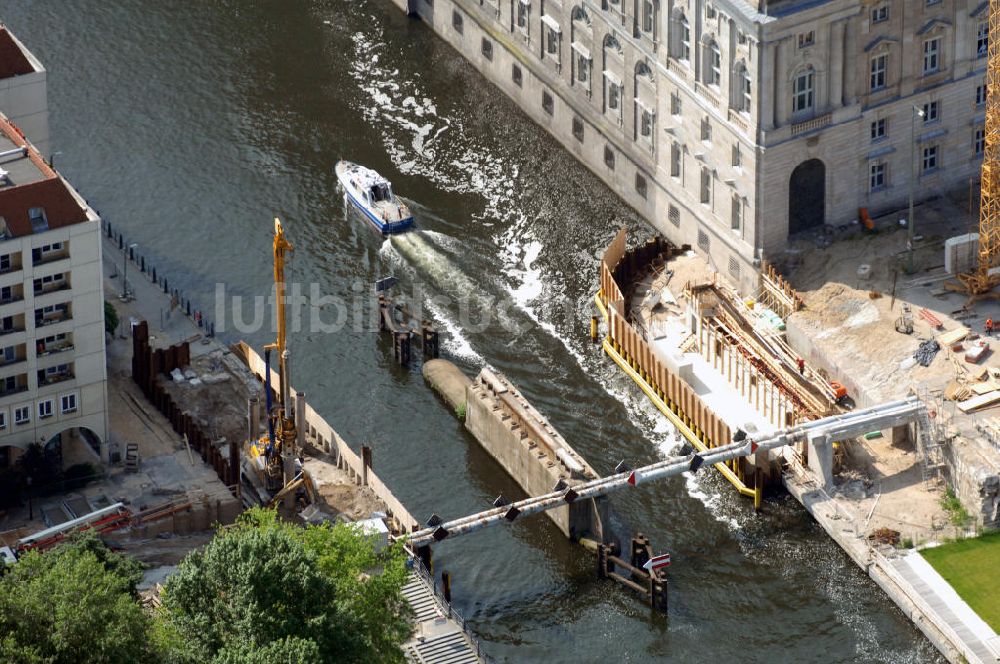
917 112
125 271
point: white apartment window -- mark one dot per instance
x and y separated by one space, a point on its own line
880 13
713 74
931 112
803 95
981 94
877 176
5 263
706 185
3 420
930 158
44 409
746 85
982 39
582 68
932 55
646 123
552 42
878 69
807 38
68 403
737 216
675 160
9 354
648 14
880 129
685 53
22 415
979 142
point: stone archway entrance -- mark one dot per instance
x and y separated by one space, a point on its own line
807 196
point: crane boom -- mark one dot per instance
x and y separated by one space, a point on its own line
983 279
281 247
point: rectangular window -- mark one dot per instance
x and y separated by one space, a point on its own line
487 48
879 129
547 103
640 185
876 176
931 112
609 157
3 420
675 160
675 103
807 38
515 75
578 129
803 95
68 403
979 142
706 186
982 39
706 129
737 156
613 96
674 215
22 415
44 409
930 159
747 88
552 43
932 55
9 384
523 9
5 263
880 13
456 22
734 267
878 69
981 94
737 217
685 40
9 354
703 242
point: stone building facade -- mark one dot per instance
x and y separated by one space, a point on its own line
731 124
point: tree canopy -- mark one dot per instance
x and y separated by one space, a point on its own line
263 591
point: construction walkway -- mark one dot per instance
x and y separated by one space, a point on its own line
949 609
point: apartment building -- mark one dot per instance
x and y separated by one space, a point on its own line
52 361
731 124
24 90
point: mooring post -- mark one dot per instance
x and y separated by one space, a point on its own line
593 329
446 585
366 463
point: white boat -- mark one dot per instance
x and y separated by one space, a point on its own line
372 195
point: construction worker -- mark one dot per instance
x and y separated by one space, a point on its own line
989 327
802 366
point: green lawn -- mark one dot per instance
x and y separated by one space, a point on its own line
972 567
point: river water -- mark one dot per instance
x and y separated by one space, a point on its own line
190 126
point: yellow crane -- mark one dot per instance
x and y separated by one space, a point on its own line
271 453
986 275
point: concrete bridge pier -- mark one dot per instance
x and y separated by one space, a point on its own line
819 452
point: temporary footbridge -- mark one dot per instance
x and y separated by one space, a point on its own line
819 432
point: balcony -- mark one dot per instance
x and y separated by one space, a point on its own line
45 289
811 125
52 349
4 392
45 378
4 331
39 257
52 318
738 119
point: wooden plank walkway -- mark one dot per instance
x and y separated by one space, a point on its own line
949 608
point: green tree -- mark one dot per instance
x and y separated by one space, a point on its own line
110 318
268 591
75 603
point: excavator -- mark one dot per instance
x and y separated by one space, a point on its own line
980 282
271 458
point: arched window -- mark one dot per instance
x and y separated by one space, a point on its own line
804 91
580 14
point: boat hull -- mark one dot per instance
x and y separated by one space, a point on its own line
377 221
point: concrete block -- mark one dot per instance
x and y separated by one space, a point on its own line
820 453
960 253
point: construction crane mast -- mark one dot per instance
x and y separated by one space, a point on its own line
272 455
986 275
